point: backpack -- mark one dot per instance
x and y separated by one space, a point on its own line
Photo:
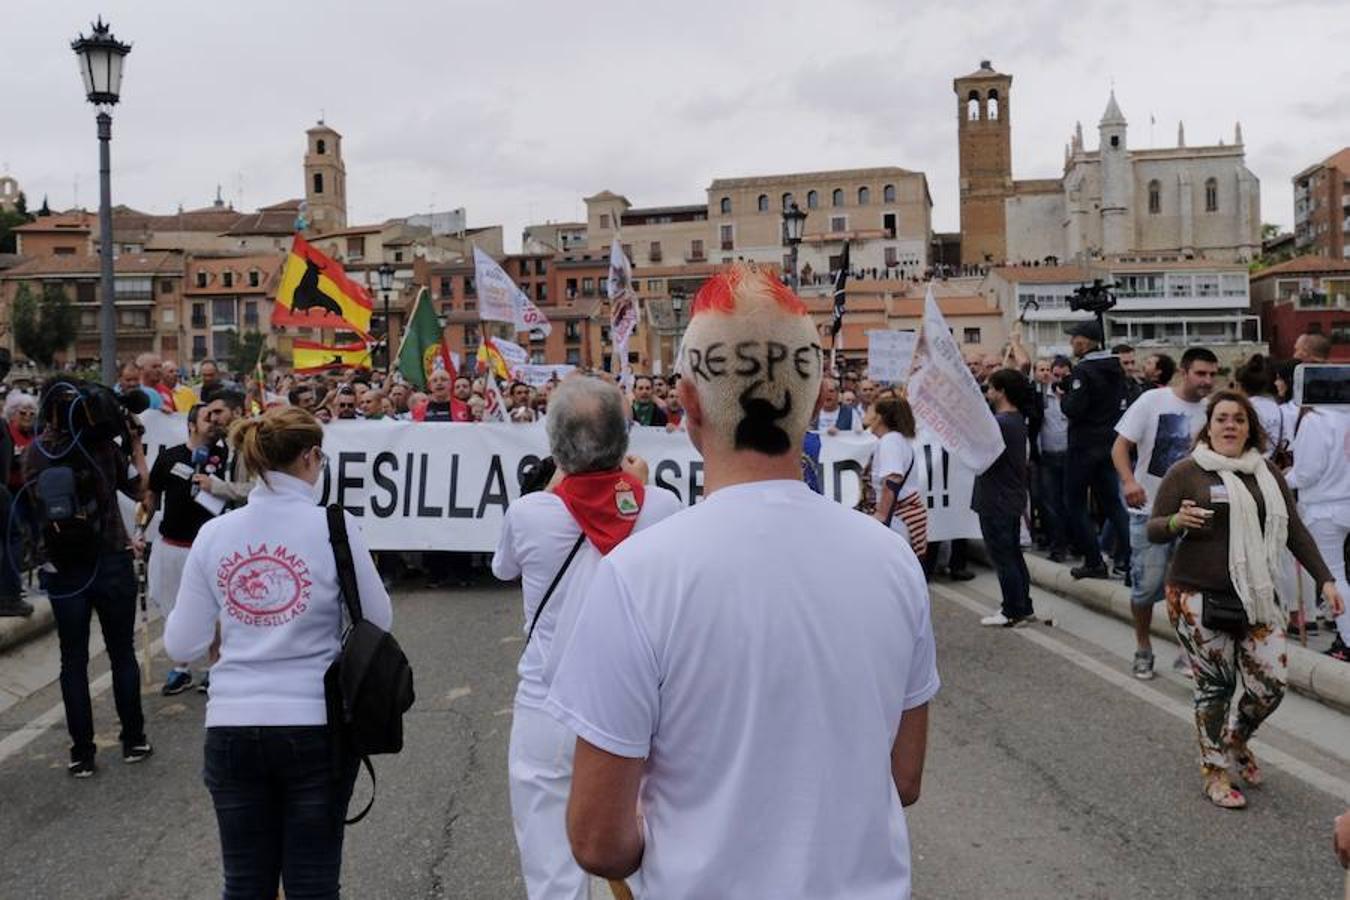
67 506
369 686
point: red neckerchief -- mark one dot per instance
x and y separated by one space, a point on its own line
605 505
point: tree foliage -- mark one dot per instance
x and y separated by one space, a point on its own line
43 326
245 350
11 219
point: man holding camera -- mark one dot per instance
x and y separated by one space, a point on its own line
76 477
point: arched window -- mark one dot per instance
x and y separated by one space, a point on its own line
991 107
888 194
763 203
812 200
318 182
837 197
1154 197
1211 195
973 106
787 201
726 206
319 146
864 196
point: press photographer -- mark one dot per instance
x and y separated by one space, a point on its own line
88 450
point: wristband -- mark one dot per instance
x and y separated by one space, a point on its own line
1172 523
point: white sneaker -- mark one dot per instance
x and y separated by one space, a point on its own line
997 620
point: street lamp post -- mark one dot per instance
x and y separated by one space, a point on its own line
677 307
101 59
794 224
386 273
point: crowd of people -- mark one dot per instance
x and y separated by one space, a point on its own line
1227 503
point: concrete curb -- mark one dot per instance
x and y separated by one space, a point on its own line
1312 674
15 630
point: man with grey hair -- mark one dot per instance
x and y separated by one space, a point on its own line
553 540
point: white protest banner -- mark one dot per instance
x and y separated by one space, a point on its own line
540 375
497 298
494 409
529 317
446 486
889 354
946 398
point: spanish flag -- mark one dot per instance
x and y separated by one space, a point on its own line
490 359
310 357
315 293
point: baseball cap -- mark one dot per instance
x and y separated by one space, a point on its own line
1088 329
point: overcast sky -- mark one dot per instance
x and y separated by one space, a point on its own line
517 110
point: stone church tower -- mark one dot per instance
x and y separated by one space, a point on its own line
984 139
325 180
1117 182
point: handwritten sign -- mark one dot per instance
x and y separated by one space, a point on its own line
889 354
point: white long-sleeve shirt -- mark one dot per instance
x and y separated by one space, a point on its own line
267 575
1322 465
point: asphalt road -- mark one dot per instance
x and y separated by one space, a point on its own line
1049 775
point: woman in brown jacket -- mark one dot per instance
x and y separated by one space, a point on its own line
1231 514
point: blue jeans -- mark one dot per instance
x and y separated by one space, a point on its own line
280 808
1003 540
1148 563
1090 468
76 596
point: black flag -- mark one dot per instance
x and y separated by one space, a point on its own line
840 279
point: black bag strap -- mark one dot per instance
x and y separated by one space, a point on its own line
351 598
539 610
346 566
896 489
365 761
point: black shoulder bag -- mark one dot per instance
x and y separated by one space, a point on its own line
539 610
369 686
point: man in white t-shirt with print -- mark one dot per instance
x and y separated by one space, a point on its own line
1160 427
748 724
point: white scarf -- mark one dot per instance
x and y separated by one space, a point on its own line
1254 556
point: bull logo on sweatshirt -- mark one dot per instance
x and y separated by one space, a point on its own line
264 586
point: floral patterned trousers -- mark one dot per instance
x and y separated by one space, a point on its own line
1218 658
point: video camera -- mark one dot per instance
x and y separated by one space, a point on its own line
1322 384
93 411
1094 298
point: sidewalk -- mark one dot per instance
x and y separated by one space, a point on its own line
15 630
1313 674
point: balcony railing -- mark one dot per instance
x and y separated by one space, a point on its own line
728 245
695 256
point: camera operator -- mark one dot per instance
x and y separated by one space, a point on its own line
89 450
1093 400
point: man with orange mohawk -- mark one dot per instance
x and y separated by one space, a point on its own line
747 726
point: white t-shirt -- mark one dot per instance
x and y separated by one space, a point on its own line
737 650
1163 428
1322 465
537 535
1271 417
829 419
894 455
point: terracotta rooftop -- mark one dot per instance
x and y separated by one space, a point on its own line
269 221
1305 265
60 222
211 219
764 180
950 306
155 262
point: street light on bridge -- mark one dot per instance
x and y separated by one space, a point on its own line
101 60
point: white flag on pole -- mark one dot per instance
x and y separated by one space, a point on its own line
494 406
501 300
622 301
946 398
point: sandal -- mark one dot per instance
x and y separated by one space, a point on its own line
1248 770
1221 792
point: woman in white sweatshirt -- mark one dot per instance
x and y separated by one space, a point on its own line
266 574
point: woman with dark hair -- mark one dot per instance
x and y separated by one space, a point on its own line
1256 377
895 484
1234 516
1000 498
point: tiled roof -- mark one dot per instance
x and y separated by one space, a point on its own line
61 222
1041 274
1305 265
154 262
268 221
838 174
